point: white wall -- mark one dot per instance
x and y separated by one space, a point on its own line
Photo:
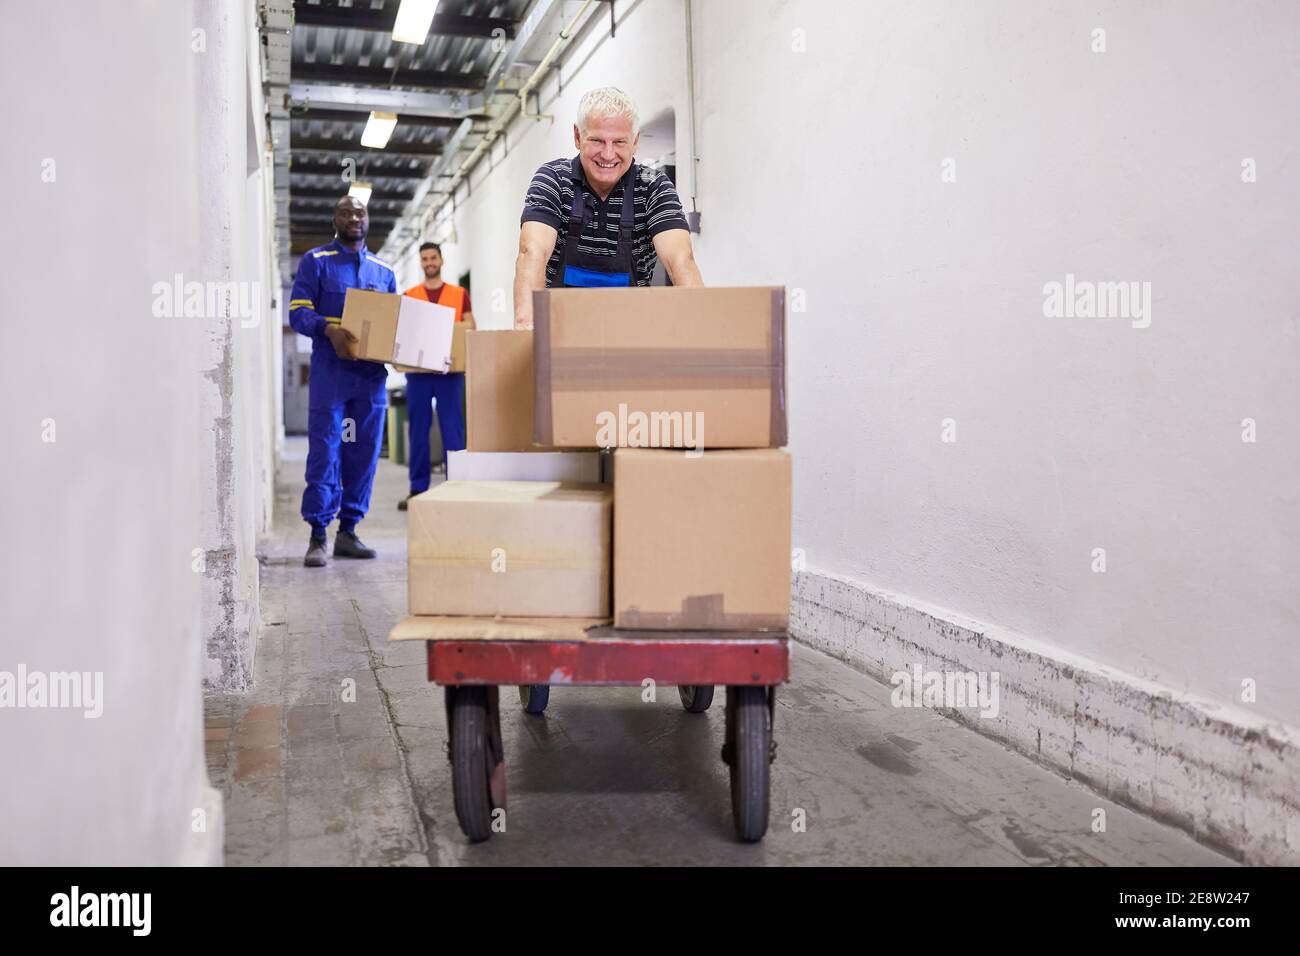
134 531
241 370
820 169
101 522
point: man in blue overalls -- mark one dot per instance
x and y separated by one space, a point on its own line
346 400
599 219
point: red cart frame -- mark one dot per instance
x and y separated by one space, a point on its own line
749 664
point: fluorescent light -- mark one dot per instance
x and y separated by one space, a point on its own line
378 129
413 20
361 191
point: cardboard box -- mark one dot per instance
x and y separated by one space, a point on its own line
510 548
399 329
443 628
499 391
580 466
458 332
702 542
457 351
660 367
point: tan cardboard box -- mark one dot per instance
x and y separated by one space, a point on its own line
399 329
513 548
702 542
660 367
499 391
458 332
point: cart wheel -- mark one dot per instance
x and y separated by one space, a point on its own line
534 697
749 752
470 773
696 698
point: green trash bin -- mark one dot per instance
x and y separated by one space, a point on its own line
397 426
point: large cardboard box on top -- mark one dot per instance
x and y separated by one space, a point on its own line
499 391
513 548
702 542
660 367
399 329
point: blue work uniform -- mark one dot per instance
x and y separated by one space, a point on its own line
584 271
427 390
342 393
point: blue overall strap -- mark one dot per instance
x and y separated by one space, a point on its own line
578 268
577 215
627 220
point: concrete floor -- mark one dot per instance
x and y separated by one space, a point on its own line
313 779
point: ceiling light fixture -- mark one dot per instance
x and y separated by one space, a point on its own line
361 191
414 17
378 129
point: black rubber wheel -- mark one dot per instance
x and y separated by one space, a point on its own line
750 756
696 698
534 697
469 762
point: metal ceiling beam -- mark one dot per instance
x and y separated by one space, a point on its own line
366 166
300 213
303 144
452 106
381 21
333 195
308 113
378 204
383 77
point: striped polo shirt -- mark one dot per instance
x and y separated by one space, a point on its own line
656 209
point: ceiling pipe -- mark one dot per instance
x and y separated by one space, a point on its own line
693 217
542 67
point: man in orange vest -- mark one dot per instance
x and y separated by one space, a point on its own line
423 388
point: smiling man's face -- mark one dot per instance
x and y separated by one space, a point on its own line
606 149
351 220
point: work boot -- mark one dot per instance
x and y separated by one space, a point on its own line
348 545
315 554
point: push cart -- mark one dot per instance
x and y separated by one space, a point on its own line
474 657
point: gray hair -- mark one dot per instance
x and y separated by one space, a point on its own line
607 101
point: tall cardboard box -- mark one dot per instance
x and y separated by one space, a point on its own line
399 329
499 390
660 367
513 548
702 543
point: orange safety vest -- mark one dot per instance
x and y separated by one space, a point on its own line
452 296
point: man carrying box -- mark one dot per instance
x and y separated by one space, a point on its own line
423 388
346 398
599 219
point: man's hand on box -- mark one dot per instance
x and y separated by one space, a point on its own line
343 341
